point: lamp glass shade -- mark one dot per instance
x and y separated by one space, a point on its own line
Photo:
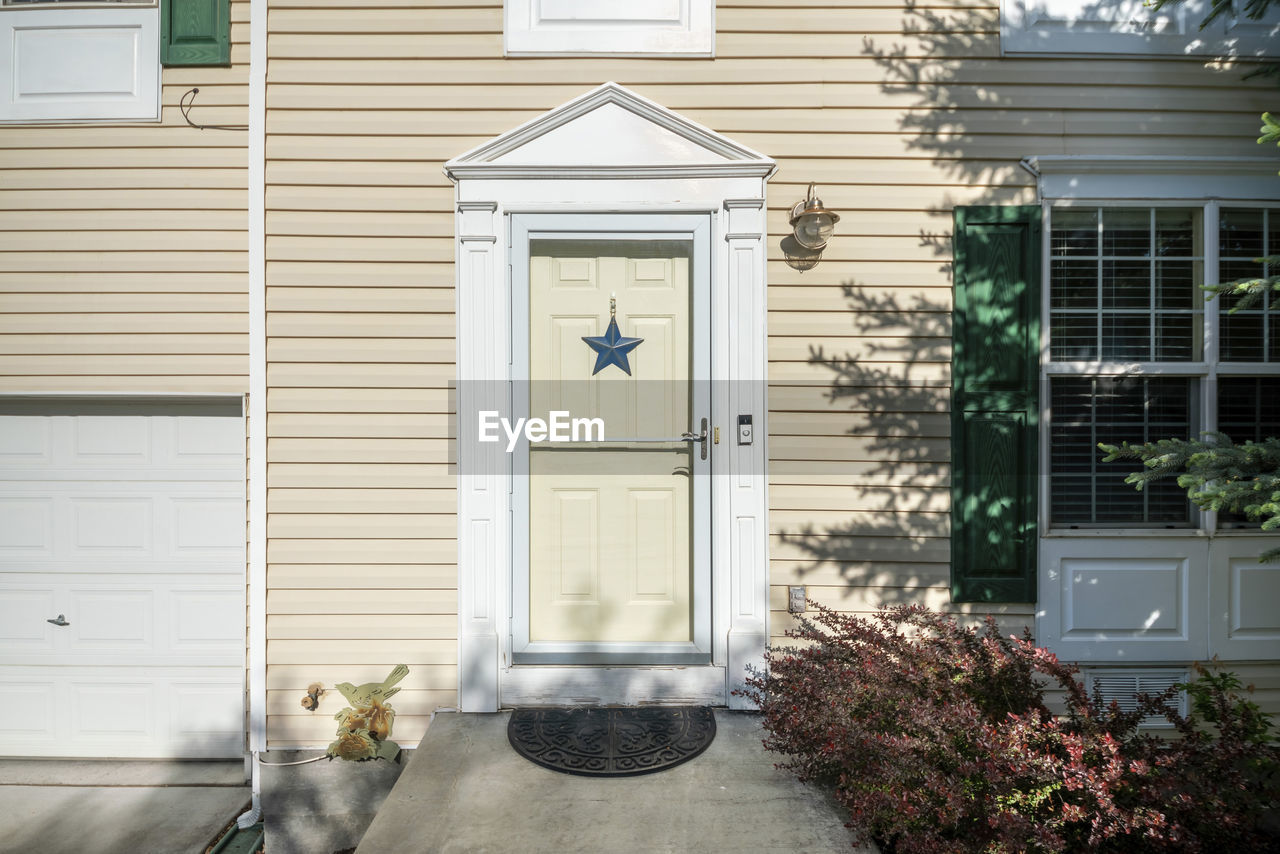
814 228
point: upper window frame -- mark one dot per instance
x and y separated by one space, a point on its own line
576 28
1128 28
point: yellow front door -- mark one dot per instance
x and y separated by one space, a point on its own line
610 518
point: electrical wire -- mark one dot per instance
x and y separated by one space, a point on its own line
184 107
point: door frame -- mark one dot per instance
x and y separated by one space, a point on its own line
638 227
554 164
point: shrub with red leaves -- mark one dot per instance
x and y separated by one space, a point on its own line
937 739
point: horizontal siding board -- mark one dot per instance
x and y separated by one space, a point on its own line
120 365
32 382
407 702
354 550
347 426
368 602
363 526
140 344
361 299
423 676
319 576
382 350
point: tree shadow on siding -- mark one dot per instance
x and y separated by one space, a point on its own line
884 482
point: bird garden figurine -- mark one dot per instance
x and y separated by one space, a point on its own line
365 694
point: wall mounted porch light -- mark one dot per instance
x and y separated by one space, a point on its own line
812 223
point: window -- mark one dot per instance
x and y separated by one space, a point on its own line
1134 356
100 61
610 27
1130 27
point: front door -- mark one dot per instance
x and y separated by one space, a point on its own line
611 502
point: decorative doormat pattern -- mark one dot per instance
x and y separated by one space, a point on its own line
611 741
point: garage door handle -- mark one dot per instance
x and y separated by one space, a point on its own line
61 621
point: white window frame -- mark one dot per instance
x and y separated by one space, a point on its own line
1201 571
609 28
1128 28
123 37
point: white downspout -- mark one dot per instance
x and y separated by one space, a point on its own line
257 490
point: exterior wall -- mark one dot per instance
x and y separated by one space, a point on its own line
365 104
123 248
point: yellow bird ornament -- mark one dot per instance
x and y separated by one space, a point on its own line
364 695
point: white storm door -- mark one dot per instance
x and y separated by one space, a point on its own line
611 529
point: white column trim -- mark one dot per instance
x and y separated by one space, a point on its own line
257 486
482 501
746 478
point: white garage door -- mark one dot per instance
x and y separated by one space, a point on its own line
127 519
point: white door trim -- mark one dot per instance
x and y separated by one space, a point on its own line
728 189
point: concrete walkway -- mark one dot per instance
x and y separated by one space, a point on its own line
467 790
56 806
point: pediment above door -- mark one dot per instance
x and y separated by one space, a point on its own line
609 131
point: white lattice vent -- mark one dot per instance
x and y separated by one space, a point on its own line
1124 686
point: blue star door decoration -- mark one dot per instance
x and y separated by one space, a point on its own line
611 347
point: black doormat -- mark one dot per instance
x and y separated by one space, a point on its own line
611 741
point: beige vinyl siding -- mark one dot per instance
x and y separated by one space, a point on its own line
124 248
899 112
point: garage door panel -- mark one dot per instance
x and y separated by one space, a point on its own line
115 710
23 615
207 526
207 620
26 441
115 524
99 440
206 441
132 525
200 714
31 708
26 526
111 620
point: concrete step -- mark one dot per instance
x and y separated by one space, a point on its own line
467 790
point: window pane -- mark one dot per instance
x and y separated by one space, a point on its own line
1073 284
1248 410
1241 337
1126 232
1240 233
1248 335
1126 284
1086 411
1126 337
1177 234
1178 284
1073 338
1074 232
1177 337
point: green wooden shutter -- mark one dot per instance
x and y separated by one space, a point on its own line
995 404
195 32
